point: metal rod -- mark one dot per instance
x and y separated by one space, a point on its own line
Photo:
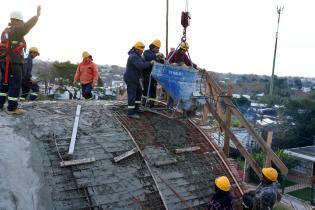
136 199
144 159
177 194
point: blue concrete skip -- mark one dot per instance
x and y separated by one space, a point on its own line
180 82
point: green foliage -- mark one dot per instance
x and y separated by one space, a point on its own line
304 194
281 87
280 206
64 72
242 101
302 110
272 100
236 123
260 158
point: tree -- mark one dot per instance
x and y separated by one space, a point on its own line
260 158
64 72
302 112
298 83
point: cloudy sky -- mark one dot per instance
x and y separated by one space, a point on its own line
234 36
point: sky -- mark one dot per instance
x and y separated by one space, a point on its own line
236 36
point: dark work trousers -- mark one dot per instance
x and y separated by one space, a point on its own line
12 89
87 90
27 86
152 91
134 92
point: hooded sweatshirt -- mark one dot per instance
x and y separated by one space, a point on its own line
87 72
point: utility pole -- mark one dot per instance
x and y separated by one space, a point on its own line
279 11
166 44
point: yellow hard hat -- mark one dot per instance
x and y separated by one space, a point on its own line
157 43
139 46
184 46
85 55
223 183
270 173
33 49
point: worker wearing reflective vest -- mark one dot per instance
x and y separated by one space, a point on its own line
27 83
266 194
87 74
12 59
151 54
134 70
221 199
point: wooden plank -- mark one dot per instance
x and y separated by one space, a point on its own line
77 162
74 131
165 162
269 141
187 149
236 142
280 165
205 111
125 155
226 147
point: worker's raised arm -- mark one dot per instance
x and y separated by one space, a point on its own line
23 29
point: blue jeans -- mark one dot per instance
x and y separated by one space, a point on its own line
87 90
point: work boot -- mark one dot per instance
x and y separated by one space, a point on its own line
140 110
134 116
16 111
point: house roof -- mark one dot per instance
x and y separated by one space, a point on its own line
306 153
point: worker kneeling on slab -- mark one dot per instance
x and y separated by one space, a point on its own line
87 74
134 69
27 83
12 59
266 194
221 199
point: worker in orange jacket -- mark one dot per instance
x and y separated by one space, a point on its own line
87 74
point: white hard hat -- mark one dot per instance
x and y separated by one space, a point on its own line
16 15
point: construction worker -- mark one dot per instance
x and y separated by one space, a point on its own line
27 83
266 194
179 57
12 59
134 70
87 74
221 199
151 54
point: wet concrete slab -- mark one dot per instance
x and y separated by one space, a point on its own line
42 138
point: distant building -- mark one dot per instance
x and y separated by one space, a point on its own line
236 95
306 168
246 96
260 94
266 122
